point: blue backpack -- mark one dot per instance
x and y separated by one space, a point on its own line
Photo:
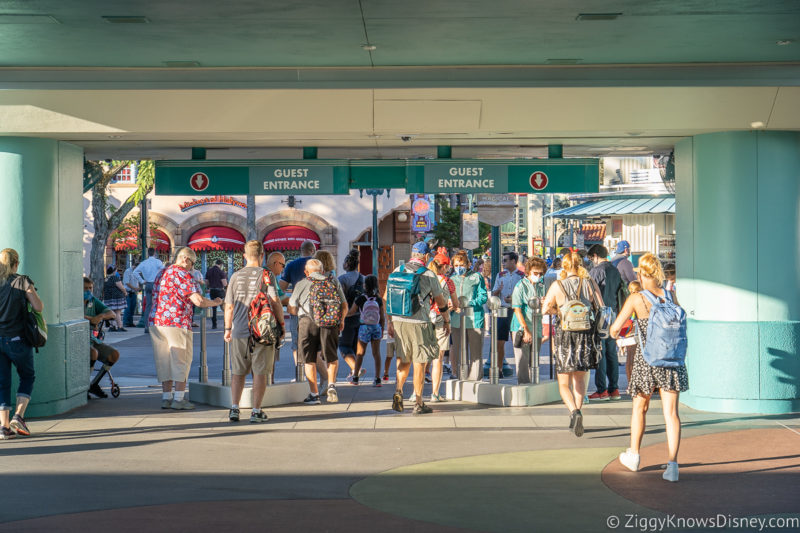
402 292
666 332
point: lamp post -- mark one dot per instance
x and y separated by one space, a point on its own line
374 193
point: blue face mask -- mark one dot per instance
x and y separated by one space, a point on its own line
87 295
460 270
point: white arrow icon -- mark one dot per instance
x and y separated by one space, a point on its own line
539 181
198 182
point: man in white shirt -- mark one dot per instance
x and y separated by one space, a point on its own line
504 287
149 269
133 284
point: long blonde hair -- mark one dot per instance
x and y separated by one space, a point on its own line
9 259
650 266
572 265
326 258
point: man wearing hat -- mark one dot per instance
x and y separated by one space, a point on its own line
415 336
623 264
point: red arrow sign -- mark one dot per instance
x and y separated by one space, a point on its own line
538 180
199 181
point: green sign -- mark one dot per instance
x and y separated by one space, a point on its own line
300 177
312 176
464 176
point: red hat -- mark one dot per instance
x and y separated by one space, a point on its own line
442 259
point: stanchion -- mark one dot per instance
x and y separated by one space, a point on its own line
226 365
497 312
203 353
550 343
299 368
463 369
535 304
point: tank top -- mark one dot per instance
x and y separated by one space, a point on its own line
12 307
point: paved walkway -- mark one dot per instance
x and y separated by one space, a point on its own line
126 465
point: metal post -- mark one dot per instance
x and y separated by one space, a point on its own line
375 235
550 344
299 370
466 311
494 377
203 354
496 253
226 365
536 342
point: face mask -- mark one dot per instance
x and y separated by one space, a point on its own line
535 279
87 295
460 270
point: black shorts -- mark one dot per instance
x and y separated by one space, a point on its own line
312 338
503 327
349 337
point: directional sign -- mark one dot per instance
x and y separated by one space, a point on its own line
318 176
199 181
539 180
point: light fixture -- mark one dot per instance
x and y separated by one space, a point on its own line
115 136
563 61
784 42
598 16
27 19
182 64
125 19
757 125
402 217
368 47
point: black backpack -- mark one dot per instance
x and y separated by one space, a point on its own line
355 290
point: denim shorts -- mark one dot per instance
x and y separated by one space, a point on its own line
371 332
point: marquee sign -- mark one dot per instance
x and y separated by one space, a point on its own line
211 200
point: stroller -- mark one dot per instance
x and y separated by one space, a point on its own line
105 370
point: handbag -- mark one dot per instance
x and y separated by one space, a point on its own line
35 328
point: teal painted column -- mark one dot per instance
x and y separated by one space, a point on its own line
42 181
738 268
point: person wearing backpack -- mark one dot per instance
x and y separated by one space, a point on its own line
609 280
352 282
573 299
656 365
320 305
410 290
439 267
369 309
16 293
251 283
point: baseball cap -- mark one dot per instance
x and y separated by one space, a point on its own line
622 246
420 247
442 259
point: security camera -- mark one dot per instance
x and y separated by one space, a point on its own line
405 138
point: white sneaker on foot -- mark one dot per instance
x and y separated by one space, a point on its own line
671 473
333 396
630 460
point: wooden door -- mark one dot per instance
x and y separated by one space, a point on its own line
385 265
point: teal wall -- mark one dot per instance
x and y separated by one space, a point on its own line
42 184
738 253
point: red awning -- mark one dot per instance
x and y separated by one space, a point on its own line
216 238
158 240
289 238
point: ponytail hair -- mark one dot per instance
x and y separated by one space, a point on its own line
9 260
572 265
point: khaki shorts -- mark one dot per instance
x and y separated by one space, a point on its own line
172 352
443 338
104 351
242 361
415 342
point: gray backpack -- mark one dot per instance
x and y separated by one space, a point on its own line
576 313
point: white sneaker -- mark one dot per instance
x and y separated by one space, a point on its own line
413 397
671 473
333 396
630 460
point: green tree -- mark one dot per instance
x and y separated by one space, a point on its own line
448 230
96 177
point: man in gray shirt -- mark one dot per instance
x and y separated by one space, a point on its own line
312 338
242 290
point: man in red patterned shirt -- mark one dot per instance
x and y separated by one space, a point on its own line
174 297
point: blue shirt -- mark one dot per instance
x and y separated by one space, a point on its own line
149 268
295 270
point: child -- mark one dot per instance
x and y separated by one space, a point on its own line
373 321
